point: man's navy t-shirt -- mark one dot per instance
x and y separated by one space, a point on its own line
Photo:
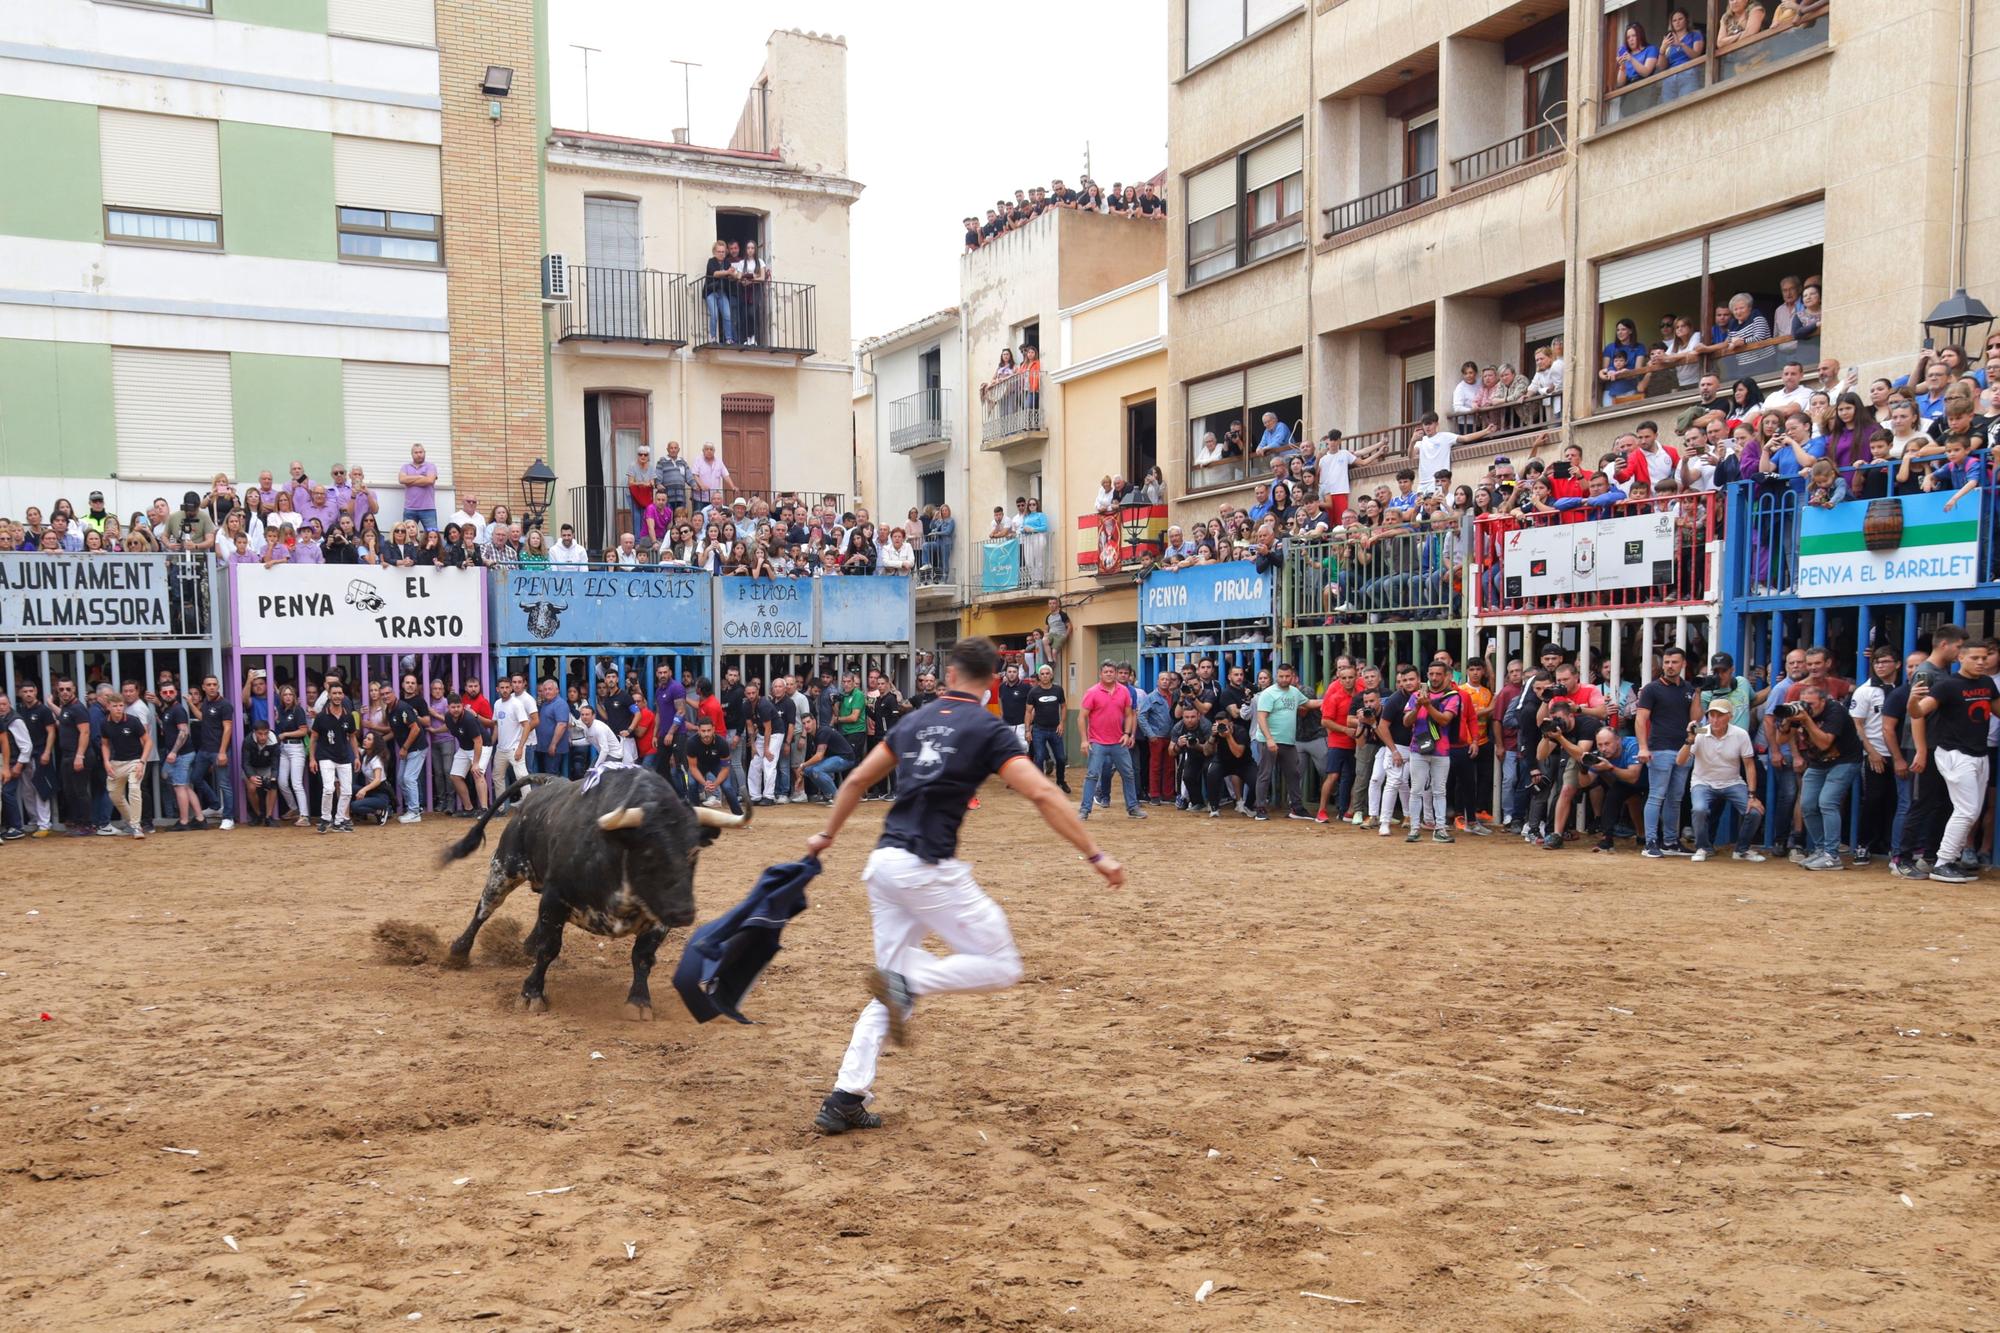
943 752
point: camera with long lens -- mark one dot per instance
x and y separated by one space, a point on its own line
1789 710
1711 681
1552 727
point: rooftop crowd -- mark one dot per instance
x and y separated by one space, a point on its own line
1120 200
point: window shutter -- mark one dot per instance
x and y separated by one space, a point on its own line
386 174
1266 12
1273 161
1543 329
611 235
411 21
1419 366
1224 393
1211 26
1275 381
1767 238
1646 272
1212 190
173 412
165 162
391 407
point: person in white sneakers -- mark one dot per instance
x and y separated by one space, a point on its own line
1724 773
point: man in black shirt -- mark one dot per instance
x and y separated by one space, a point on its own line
1048 751
214 724
1953 716
760 719
1191 743
333 733
614 709
468 761
75 757
709 760
1394 732
409 724
1930 801
828 755
1666 707
260 774
176 751
917 886
126 746
1824 732
730 696
1014 695
39 780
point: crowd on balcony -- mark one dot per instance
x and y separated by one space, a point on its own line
736 293
1142 201
1631 371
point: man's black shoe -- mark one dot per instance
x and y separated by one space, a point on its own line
837 1117
1064 784
893 990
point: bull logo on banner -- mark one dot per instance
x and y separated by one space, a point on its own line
362 596
544 618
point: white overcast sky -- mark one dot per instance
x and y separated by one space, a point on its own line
949 106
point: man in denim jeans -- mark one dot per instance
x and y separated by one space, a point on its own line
215 721
829 755
1666 707
1045 714
1723 764
1109 722
409 723
1823 732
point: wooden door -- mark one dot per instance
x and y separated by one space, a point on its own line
746 440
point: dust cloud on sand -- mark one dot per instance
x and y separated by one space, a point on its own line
1468 1088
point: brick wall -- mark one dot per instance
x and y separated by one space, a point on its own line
492 247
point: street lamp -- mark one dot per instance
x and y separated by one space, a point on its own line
538 488
1953 316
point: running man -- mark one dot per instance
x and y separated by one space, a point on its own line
917 886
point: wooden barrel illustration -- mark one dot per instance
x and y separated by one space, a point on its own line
1882 525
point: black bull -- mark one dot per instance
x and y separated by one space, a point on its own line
614 854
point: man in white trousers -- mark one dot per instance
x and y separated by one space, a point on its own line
917 886
760 722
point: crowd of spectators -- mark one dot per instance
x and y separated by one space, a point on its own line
1559 756
319 755
736 294
1143 200
1630 371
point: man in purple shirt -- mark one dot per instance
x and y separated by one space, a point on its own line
317 505
301 486
338 492
266 491
668 698
419 481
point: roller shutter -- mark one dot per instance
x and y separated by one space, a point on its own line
1678 262
1224 393
173 412
159 162
410 21
386 174
1212 190
1273 161
1275 381
391 407
1767 237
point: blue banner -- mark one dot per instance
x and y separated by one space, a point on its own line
763 613
1205 594
1000 570
871 609
577 607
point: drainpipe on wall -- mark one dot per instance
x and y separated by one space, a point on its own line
681 362
1961 144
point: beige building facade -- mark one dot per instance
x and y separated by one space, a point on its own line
645 348
1369 193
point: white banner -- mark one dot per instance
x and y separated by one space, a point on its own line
1567 558
68 596
359 607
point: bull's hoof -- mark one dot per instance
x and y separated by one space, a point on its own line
637 1012
457 959
532 1004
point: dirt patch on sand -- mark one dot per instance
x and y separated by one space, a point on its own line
1472 1088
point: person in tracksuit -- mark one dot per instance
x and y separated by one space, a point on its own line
917 886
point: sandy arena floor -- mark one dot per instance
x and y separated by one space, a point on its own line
1470 1088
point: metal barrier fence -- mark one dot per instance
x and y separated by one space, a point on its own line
1654 552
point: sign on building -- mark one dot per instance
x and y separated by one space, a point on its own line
359 607
873 609
1000 565
1206 594
72 596
763 613
1563 559
1902 543
563 608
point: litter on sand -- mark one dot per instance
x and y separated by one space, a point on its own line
230 1241
1201 1292
631 1250
185 1152
1913 1115
1214 1152
1616 1010
597 1055
560 1189
1337 1300
1906 1201
1559 1110
462 1180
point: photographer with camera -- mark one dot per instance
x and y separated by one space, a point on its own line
1613 768
1191 744
1524 718
1370 768
1558 773
1666 708
1824 739
1231 767
1786 767
1722 763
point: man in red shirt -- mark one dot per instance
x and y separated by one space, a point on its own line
1335 708
1109 720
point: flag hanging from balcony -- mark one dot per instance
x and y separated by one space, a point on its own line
1121 541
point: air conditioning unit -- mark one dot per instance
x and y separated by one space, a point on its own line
555 278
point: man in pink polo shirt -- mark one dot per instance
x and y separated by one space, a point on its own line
1108 721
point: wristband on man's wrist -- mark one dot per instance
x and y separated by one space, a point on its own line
1094 857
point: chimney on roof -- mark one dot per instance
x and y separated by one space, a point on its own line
680 134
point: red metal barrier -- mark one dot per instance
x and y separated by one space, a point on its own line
1696 525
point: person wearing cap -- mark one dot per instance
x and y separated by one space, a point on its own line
191 529
95 516
1723 771
1723 683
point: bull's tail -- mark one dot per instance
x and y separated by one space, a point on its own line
475 835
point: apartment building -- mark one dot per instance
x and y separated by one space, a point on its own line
1013 293
646 349
236 234
913 452
1371 193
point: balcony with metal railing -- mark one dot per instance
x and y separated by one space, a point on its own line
1011 411
1661 551
1401 575
1385 202
632 305
1542 140
923 418
732 315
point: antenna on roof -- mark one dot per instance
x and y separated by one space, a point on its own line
685 134
1086 157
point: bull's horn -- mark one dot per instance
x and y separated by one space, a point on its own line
625 816
716 819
